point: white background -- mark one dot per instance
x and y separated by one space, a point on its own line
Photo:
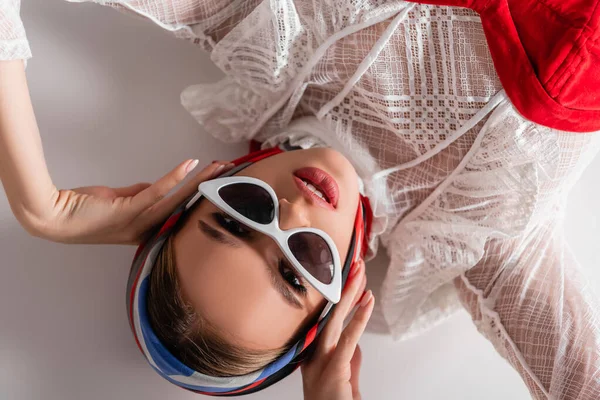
106 92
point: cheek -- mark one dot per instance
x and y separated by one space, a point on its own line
244 306
232 291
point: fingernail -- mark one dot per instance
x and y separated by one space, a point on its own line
217 171
354 271
191 166
362 296
366 298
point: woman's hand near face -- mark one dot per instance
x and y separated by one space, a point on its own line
93 214
100 214
333 370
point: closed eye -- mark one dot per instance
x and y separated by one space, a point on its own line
291 277
217 235
231 225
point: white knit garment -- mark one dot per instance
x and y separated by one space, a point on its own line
468 196
13 41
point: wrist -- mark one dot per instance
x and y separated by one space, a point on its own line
36 217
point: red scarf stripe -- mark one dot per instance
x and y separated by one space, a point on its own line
131 303
310 337
169 223
254 157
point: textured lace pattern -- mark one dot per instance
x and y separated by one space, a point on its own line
13 41
468 196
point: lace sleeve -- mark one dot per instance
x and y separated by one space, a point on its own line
13 42
531 300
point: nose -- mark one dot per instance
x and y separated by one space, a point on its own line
292 215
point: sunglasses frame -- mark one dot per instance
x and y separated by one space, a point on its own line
210 189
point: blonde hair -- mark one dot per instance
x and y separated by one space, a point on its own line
188 336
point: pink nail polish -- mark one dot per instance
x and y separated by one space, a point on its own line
217 171
362 296
191 166
366 298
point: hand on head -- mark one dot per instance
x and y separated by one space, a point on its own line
333 370
100 214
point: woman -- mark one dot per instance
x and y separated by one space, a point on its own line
464 189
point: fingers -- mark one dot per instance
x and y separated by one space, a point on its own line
106 192
156 192
351 335
209 172
166 206
355 372
360 292
157 212
333 329
132 190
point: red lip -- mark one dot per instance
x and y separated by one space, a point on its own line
322 181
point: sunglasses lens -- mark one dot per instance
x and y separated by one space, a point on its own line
252 201
313 252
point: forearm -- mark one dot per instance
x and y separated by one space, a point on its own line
531 300
23 169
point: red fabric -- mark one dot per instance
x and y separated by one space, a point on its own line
240 391
547 55
169 223
368 224
310 337
257 155
139 250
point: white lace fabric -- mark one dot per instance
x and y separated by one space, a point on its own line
13 40
468 196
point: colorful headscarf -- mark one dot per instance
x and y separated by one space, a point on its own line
173 370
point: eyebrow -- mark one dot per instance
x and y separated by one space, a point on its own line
217 235
220 237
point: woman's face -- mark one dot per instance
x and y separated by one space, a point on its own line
237 278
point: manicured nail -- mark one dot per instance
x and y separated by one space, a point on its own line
362 296
366 298
192 164
357 268
217 171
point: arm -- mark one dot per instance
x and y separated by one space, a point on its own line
529 298
95 214
23 168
